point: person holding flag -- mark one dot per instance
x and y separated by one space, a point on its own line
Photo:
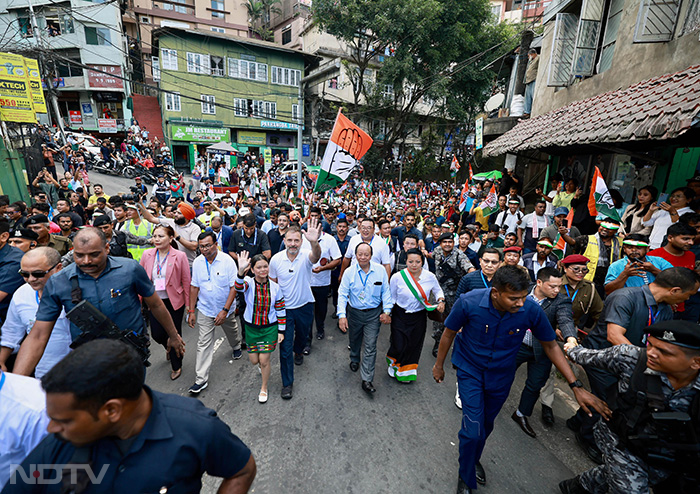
454 167
563 233
602 249
486 208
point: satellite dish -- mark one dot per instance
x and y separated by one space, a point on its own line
494 102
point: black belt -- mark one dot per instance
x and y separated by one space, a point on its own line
365 310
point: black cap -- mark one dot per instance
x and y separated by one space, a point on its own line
681 333
37 219
100 220
25 233
445 236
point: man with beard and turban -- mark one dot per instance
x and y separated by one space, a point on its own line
186 231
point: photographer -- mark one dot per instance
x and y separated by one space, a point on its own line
636 268
112 284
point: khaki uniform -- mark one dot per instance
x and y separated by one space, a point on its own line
61 244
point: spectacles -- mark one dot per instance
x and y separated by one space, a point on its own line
36 274
579 270
206 247
486 261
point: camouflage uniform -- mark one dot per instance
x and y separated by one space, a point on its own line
624 472
449 270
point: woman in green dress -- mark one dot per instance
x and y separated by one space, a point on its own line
264 315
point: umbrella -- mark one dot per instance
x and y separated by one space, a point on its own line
488 175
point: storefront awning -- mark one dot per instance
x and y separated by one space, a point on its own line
660 108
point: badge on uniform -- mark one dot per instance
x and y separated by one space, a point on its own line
160 284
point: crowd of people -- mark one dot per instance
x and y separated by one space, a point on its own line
526 283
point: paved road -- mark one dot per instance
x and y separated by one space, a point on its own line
332 437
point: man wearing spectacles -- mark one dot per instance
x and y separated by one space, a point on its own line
37 266
490 260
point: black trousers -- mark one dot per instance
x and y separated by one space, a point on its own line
161 336
320 308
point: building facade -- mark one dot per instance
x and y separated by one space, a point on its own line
84 42
217 88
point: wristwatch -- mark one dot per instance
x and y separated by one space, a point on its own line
226 310
177 238
576 384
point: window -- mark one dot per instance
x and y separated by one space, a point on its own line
243 69
240 107
285 77
587 35
270 110
96 36
208 104
496 11
333 83
58 21
562 52
217 5
172 101
656 20
217 66
388 92
218 29
295 112
286 36
692 19
145 19
168 59
70 68
155 68
610 37
25 27
198 63
172 5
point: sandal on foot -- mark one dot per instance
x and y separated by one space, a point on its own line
175 374
262 397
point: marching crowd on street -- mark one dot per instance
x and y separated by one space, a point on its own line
87 279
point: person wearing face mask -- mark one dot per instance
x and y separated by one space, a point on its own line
557 307
169 271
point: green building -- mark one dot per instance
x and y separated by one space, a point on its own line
238 90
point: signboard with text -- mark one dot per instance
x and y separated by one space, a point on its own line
479 133
75 117
35 85
252 138
273 124
16 103
107 125
104 76
199 134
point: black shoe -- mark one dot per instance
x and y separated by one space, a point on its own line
368 387
572 486
524 424
462 487
307 350
547 416
287 392
320 335
591 449
480 474
243 345
573 423
354 366
435 348
298 359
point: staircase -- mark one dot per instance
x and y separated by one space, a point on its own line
147 112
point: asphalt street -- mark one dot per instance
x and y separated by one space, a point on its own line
332 437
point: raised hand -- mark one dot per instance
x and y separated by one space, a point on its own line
243 262
313 231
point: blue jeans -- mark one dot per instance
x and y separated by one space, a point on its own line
529 94
537 375
295 336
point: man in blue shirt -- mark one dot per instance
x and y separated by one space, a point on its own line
636 268
492 323
341 236
10 258
112 284
409 226
134 439
365 286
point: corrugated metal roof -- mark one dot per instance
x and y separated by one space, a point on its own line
660 108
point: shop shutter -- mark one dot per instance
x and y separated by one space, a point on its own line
656 20
562 54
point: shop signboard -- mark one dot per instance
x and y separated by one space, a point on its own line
87 108
16 103
75 117
107 125
273 124
479 133
35 85
251 138
105 76
199 134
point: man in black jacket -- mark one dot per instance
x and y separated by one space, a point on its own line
558 309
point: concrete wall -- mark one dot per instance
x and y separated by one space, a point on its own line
632 62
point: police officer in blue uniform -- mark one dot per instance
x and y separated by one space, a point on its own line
493 322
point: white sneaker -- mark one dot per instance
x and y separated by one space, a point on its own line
458 401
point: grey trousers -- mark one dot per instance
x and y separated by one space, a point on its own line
364 325
205 342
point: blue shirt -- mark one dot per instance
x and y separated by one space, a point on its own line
490 340
616 269
10 279
364 290
400 232
180 441
115 292
472 281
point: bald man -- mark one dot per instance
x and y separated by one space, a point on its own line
37 266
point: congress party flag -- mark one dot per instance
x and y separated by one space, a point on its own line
464 196
347 146
454 167
471 173
600 201
490 204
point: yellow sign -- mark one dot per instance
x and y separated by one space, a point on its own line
251 138
15 95
35 85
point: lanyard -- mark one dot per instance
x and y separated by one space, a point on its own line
486 285
208 268
255 238
359 273
159 265
37 297
652 317
2 380
569 295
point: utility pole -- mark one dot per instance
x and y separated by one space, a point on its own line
300 116
49 80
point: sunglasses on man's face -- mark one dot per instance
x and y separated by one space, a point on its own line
36 274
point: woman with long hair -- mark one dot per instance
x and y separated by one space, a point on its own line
170 272
265 316
661 216
632 217
411 289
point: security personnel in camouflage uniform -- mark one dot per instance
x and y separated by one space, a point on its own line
654 433
450 265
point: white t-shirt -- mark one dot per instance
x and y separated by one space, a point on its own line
214 281
380 250
511 220
294 277
549 211
330 252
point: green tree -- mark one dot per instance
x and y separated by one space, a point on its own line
259 16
